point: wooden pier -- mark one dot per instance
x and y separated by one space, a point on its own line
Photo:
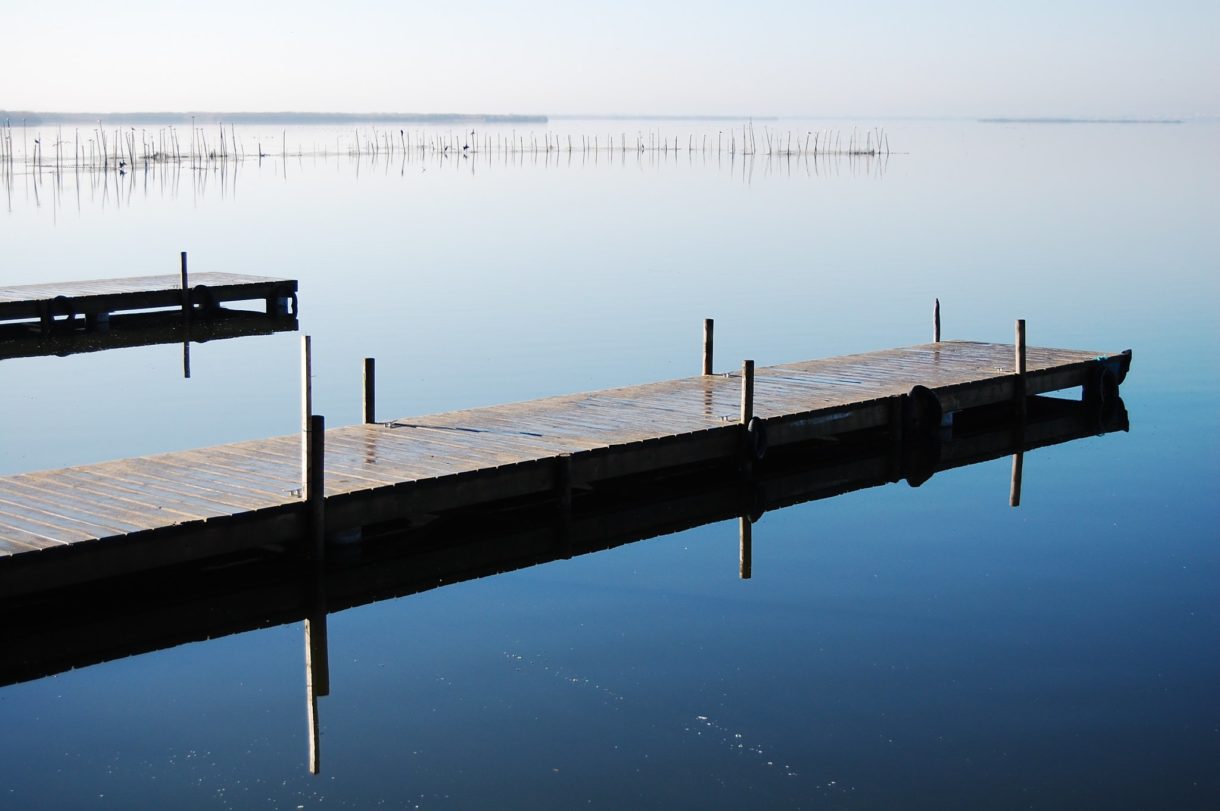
67 628
89 305
77 524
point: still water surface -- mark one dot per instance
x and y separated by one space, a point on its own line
896 647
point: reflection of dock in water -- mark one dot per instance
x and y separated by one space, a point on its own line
141 329
115 518
67 628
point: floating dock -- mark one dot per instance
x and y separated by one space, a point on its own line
89 305
68 526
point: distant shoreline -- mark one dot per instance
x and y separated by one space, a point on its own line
1080 121
14 117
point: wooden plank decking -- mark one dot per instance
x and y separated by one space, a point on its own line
172 507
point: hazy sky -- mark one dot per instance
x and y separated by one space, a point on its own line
936 57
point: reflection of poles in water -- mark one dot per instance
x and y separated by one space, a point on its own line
745 552
317 675
1014 493
186 321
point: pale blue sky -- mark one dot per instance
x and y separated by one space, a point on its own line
934 58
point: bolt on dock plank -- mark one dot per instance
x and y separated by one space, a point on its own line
116 517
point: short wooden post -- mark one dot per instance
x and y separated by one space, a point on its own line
186 319
1020 367
747 391
936 322
708 328
370 390
745 563
306 405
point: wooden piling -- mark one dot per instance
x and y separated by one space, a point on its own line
1020 366
708 330
936 322
306 408
747 391
370 390
315 484
1014 492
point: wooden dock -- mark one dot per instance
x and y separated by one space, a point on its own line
90 304
74 627
77 524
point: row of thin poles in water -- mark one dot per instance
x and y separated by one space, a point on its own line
123 149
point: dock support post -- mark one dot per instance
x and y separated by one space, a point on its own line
936 322
745 562
708 329
1020 367
370 390
186 320
1018 458
317 657
563 487
306 406
747 392
315 484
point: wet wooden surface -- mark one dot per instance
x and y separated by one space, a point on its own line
49 509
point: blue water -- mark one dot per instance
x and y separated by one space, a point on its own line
896 647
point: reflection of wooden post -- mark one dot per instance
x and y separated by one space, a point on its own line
708 327
317 682
936 322
370 390
1014 490
186 321
744 560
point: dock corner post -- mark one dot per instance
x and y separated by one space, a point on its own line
747 392
936 322
370 390
708 331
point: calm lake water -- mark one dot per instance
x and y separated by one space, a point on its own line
896 647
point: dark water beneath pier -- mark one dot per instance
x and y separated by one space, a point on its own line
896 647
